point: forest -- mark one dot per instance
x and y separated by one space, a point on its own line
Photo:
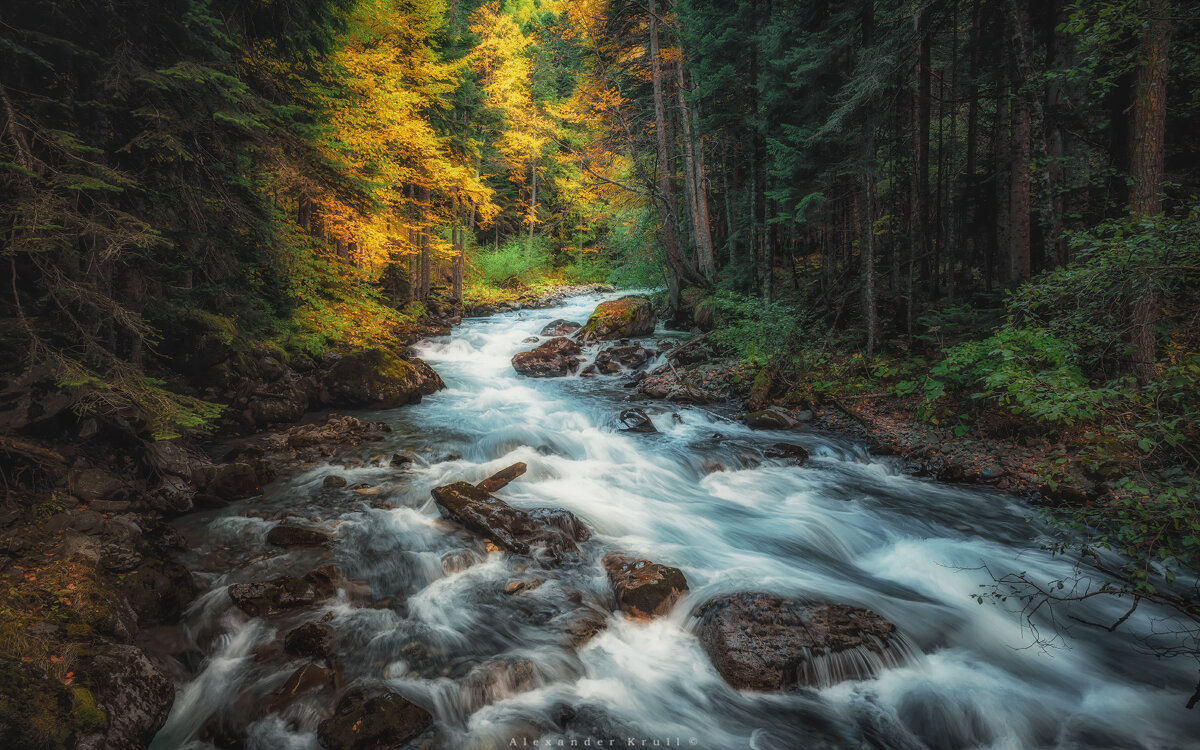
960 235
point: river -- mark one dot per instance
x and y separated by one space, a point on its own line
847 527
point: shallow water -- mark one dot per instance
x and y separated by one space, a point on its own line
429 612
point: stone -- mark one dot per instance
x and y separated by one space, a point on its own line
553 359
770 419
90 485
551 532
764 642
372 719
307 678
644 590
310 639
636 420
229 482
131 692
378 379
292 535
560 327
333 480
264 598
158 590
623 318
797 453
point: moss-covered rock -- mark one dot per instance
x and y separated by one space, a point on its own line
34 711
378 379
621 318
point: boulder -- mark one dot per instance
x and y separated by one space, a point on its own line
235 481
131 692
264 598
623 318
617 358
158 590
334 481
367 719
553 359
764 642
560 327
276 402
293 535
310 639
636 420
797 453
644 589
555 531
771 419
90 485
306 678
378 379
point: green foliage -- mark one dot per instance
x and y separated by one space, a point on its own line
762 333
517 262
1029 371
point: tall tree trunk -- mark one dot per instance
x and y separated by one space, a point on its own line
677 271
1019 235
1147 163
921 238
691 188
532 196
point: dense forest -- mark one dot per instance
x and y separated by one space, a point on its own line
976 221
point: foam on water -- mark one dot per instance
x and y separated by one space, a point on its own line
846 527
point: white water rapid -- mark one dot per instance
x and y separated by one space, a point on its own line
847 527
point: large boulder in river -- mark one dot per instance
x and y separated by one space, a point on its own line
764 642
263 598
378 379
644 589
622 318
551 531
553 359
368 720
771 419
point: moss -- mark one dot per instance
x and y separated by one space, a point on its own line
32 709
85 713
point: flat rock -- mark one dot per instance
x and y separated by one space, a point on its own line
553 359
764 642
551 531
293 535
368 719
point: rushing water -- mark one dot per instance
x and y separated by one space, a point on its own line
429 613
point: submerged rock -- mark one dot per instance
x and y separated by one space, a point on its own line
760 641
310 639
379 379
797 453
554 530
644 589
306 678
368 720
292 535
264 598
623 318
553 359
614 359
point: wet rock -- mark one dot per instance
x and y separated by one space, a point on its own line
560 327
400 460
368 719
497 679
378 379
764 642
158 590
276 401
333 480
293 535
553 359
90 485
581 625
770 419
131 693
229 482
797 453
615 359
305 679
310 639
501 478
260 598
636 420
644 589
623 318
554 531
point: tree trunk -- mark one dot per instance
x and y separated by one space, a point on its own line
1146 165
1019 265
700 230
